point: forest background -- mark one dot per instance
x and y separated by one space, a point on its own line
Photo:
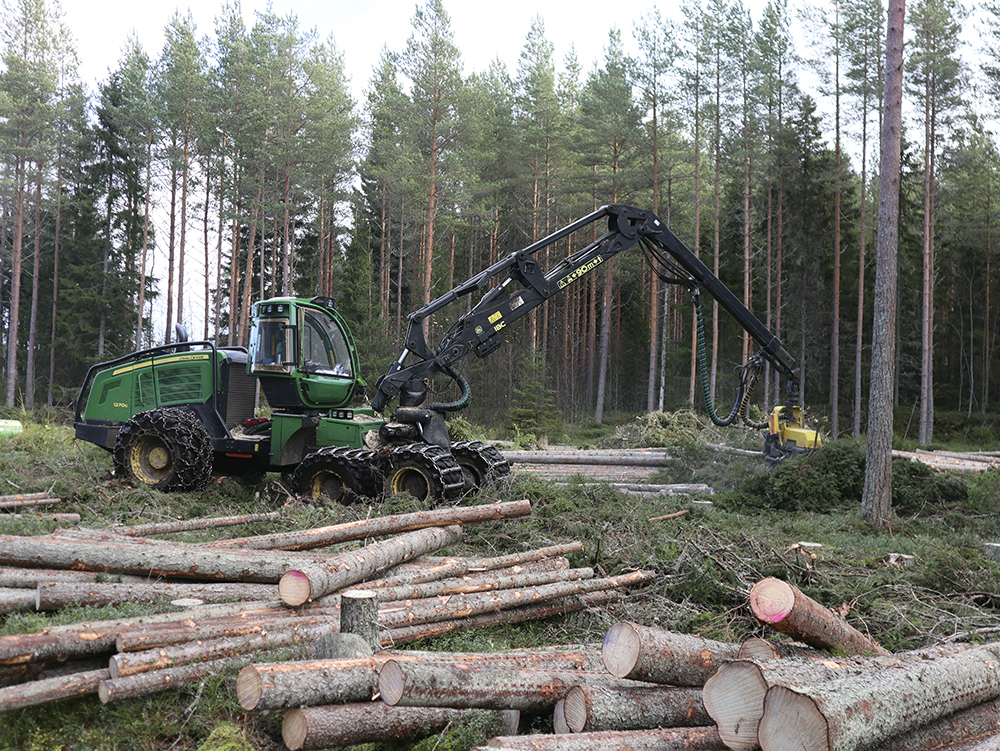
270 178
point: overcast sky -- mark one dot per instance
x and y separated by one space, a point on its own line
483 30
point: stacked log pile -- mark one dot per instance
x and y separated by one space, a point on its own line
221 606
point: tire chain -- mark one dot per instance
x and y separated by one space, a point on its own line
180 430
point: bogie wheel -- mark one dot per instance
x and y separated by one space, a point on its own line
480 463
164 449
424 472
333 472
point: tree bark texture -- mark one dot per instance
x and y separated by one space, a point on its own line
980 721
590 708
380 526
29 578
649 654
660 739
369 722
307 582
58 595
756 648
359 615
144 684
418 684
862 711
187 525
786 609
608 458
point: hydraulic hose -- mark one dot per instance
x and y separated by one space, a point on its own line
463 399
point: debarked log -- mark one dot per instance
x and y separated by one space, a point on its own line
301 584
417 684
395 524
660 739
862 711
650 654
369 722
785 608
591 708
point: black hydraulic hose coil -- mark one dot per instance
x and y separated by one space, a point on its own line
464 398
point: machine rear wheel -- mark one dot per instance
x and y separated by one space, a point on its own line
164 449
334 472
424 472
480 463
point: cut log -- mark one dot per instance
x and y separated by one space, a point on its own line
32 577
559 724
151 558
144 684
417 684
756 648
48 690
188 525
380 526
662 739
13 599
301 584
620 458
20 502
313 682
591 708
786 609
650 654
58 595
98 637
569 657
859 712
359 615
370 722
978 721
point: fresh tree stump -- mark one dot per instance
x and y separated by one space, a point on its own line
590 708
783 607
370 722
859 712
657 656
359 616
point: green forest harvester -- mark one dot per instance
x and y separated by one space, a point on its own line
172 414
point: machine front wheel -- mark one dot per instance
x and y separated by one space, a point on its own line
424 472
334 472
164 449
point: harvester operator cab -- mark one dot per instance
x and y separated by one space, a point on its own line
303 354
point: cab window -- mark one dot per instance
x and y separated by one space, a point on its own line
324 348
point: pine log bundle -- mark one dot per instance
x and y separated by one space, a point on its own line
301 584
419 684
313 682
650 654
413 612
519 614
395 524
858 712
591 708
98 637
143 684
200 649
785 608
153 558
58 595
369 722
661 739
427 568
189 525
509 578
48 690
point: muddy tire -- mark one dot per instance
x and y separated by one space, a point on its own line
164 449
424 472
480 463
336 473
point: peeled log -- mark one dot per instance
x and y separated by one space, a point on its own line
783 607
590 708
395 524
854 713
657 656
661 739
305 583
369 722
415 684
